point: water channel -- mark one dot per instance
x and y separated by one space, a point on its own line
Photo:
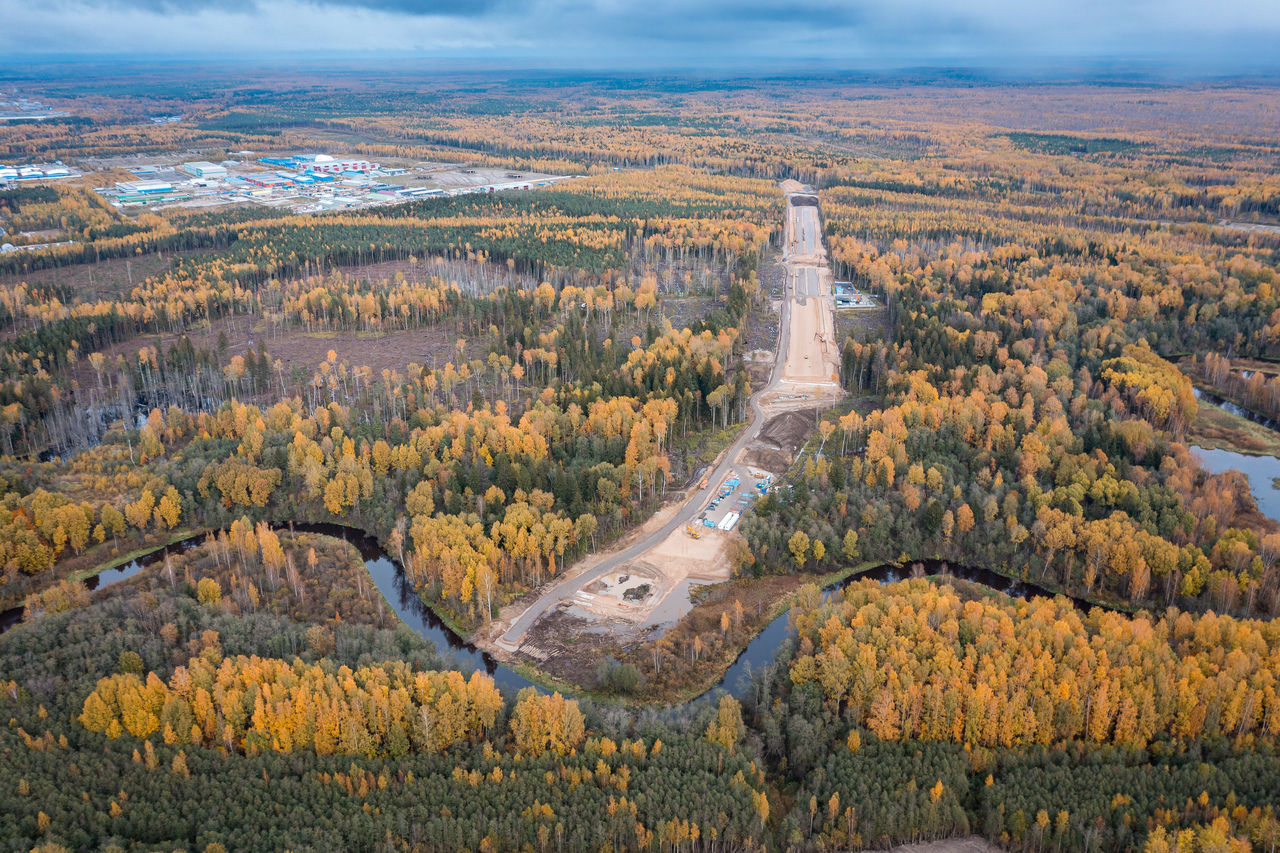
107 577
1235 409
760 652
394 586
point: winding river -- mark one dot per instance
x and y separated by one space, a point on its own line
394 586
760 652
388 577
107 577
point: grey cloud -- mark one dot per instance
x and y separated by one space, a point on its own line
413 8
663 33
452 8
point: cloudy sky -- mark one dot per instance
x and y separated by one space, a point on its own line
1210 35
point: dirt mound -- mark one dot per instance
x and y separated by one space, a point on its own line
775 448
788 431
767 458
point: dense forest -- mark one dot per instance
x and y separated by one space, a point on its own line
103 752
217 711
497 386
542 429
1033 420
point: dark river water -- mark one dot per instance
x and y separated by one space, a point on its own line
388 577
760 652
1233 408
391 581
107 577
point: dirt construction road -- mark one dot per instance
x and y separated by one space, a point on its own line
811 363
811 327
803 371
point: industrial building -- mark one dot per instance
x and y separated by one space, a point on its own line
326 163
316 164
204 169
146 198
304 182
144 187
35 171
266 180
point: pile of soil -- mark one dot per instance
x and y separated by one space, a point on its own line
789 430
776 446
767 458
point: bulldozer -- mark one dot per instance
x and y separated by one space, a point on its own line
692 531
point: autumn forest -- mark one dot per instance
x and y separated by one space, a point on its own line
1005 596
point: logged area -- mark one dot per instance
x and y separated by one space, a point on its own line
502 477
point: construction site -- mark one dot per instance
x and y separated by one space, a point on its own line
648 582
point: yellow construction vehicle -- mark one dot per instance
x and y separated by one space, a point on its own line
692 531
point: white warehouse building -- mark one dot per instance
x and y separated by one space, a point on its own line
204 169
327 163
144 186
